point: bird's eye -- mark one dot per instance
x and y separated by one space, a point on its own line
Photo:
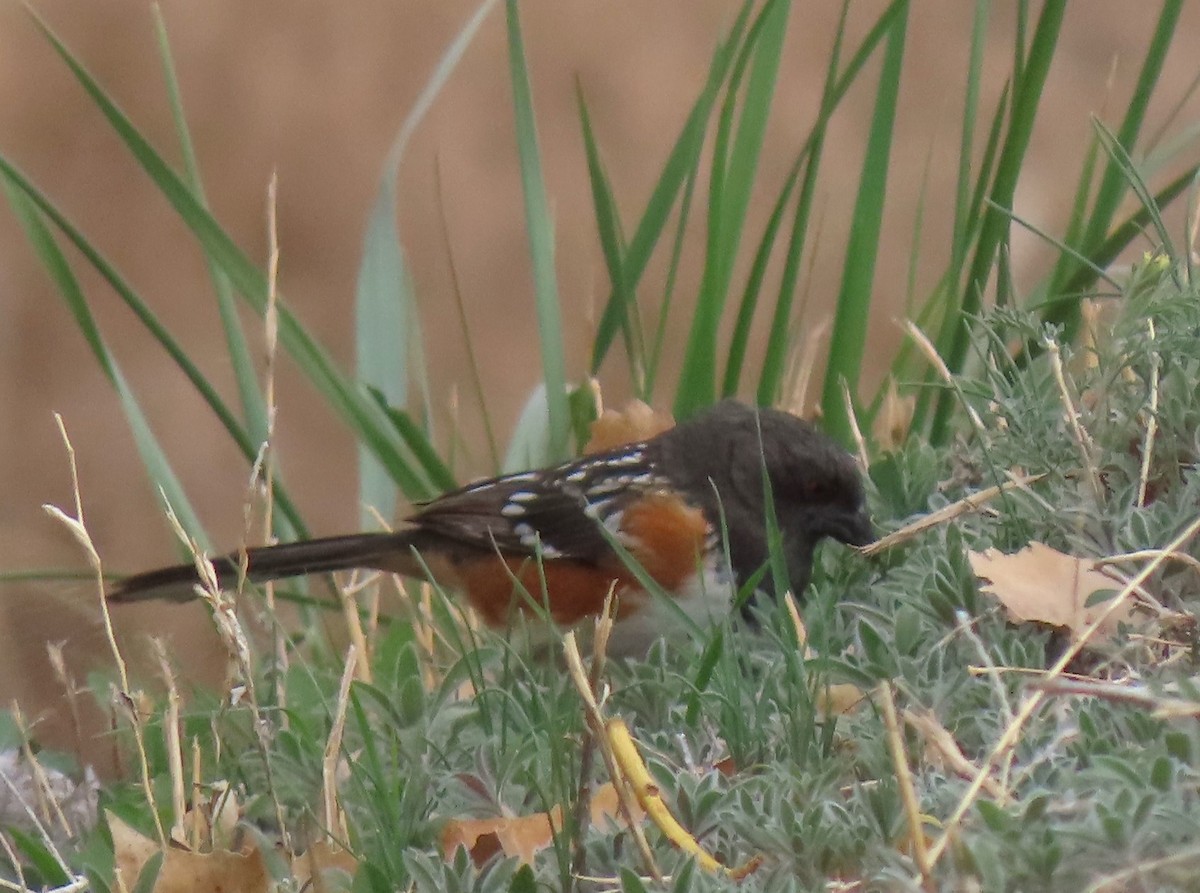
821 491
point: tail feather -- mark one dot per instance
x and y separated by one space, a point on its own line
375 551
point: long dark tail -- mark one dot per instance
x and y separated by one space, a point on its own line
374 551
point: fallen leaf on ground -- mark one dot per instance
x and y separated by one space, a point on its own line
184 871
836 698
521 836
308 868
1042 585
635 422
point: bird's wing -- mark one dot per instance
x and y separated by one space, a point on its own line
558 511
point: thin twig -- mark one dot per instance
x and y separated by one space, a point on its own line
1082 439
908 792
947 513
597 723
124 697
1152 421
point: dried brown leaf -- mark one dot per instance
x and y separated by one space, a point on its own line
1042 585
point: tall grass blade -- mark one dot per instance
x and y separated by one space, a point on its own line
1114 182
254 409
154 460
735 165
364 417
678 170
15 179
780 337
387 322
612 244
541 245
384 310
1027 93
848 340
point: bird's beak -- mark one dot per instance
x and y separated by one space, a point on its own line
853 530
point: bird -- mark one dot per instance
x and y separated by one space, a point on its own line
686 513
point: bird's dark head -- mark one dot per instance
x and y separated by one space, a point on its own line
815 486
815 483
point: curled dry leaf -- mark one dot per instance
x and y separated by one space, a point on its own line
636 421
184 871
893 419
1042 585
521 836
310 867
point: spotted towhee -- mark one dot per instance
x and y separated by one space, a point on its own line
675 504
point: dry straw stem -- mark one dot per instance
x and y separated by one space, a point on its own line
803 363
237 646
948 513
1162 706
124 697
1151 419
938 737
634 770
172 743
935 360
58 663
908 793
15 790
335 818
860 442
1035 699
596 725
1137 873
1082 439
48 804
587 757
264 466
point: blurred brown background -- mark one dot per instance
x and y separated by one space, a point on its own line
316 91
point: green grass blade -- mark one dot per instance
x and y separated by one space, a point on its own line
154 460
541 244
383 308
1121 160
419 445
735 165
848 338
608 224
387 322
678 170
361 413
664 312
1027 93
736 354
780 338
962 190
1114 182
254 409
15 179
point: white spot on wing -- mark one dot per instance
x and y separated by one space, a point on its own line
512 510
524 476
